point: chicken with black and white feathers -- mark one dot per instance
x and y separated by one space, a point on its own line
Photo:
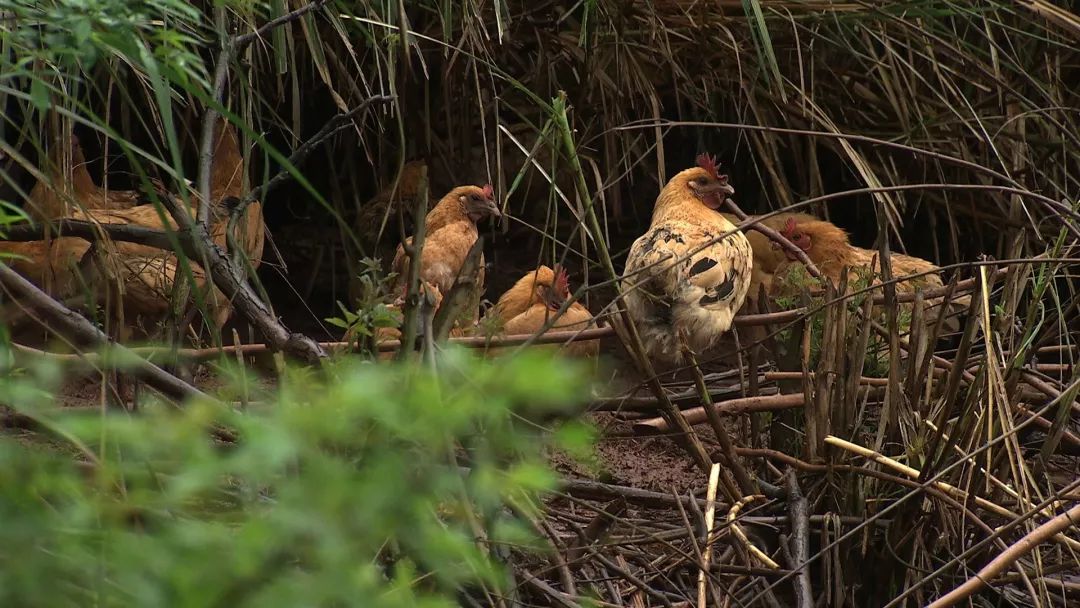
688 275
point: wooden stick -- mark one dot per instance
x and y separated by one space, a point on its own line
733 513
1007 558
79 330
798 544
710 517
764 403
951 490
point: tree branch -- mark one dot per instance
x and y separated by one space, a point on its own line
221 77
76 328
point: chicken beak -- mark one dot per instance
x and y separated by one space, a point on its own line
723 189
714 195
493 209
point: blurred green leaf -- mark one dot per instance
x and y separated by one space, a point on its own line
338 489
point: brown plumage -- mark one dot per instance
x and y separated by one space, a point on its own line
450 233
767 259
145 277
682 285
64 191
828 246
527 307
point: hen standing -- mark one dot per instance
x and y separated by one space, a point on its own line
451 233
683 282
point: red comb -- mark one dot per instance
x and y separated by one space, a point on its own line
789 227
489 191
562 282
708 163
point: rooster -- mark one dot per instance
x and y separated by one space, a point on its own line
688 275
829 248
451 233
534 300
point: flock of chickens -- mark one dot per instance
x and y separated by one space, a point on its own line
684 281
144 281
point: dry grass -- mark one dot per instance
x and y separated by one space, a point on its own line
949 128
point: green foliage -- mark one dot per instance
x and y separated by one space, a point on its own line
80 32
371 311
9 215
341 488
797 281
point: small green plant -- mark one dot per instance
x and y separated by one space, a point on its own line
797 280
371 312
362 484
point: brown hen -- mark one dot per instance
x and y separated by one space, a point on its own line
829 247
534 300
143 276
450 233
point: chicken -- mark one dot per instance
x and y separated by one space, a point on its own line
683 284
766 257
528 306
829 247
148 276
400 193
144 276
450 233
61 191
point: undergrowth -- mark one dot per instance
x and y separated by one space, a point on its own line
340 488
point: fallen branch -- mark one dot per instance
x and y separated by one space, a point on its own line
734 407
798 545
736 529
1010 556
78 329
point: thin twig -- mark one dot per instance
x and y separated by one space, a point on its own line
1007 558
81 331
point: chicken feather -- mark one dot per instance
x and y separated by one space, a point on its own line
688 275
531 303
830 248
